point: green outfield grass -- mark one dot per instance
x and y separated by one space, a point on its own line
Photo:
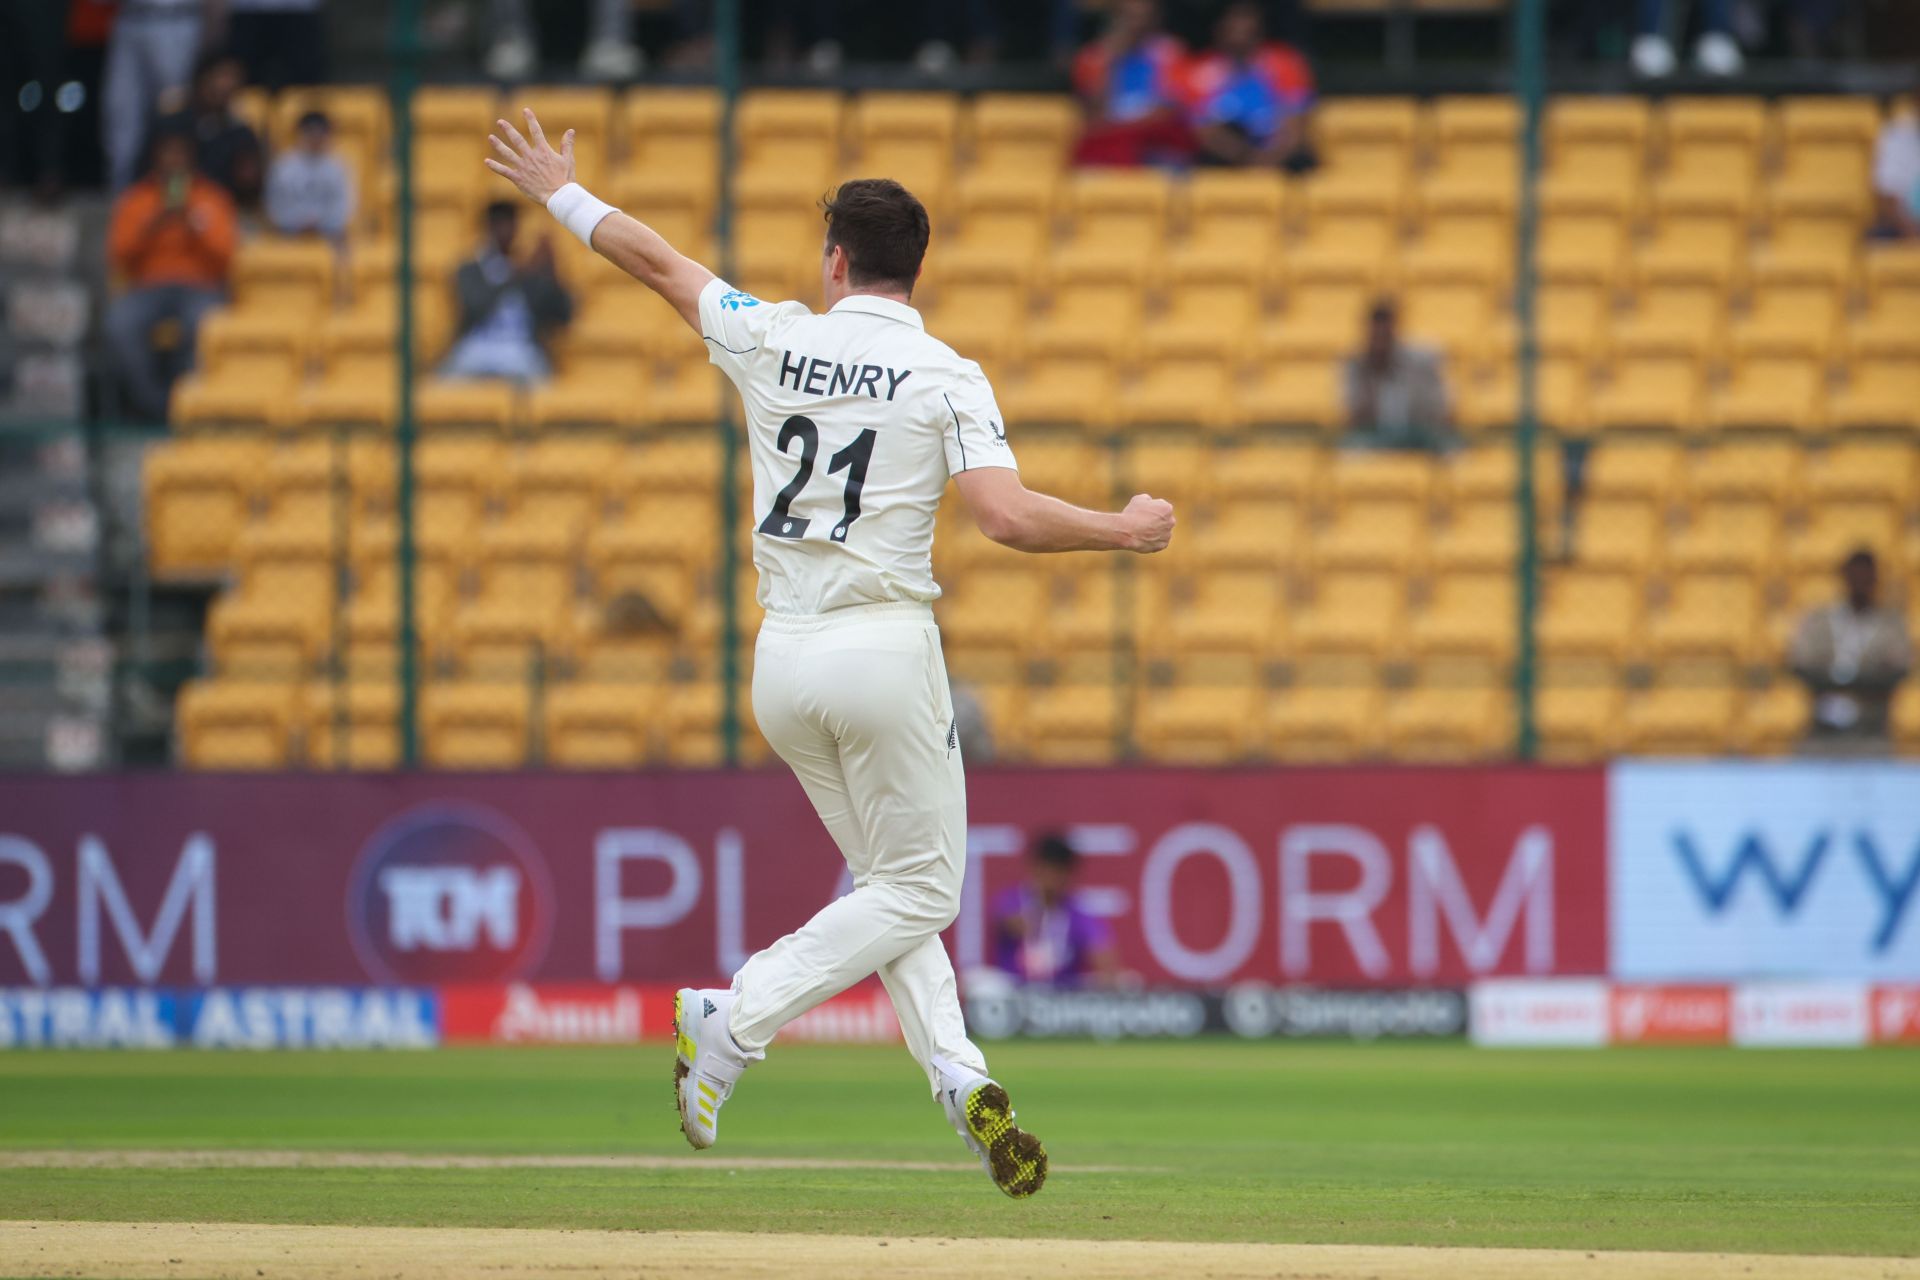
1437 1144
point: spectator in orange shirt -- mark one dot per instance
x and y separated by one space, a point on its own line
1130 81
1250 96
170 244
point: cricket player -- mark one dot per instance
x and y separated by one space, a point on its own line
856 419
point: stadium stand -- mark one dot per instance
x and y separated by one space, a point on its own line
1734 373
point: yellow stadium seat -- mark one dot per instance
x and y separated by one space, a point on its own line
1357 258
466 402
994 609
1469 615
1473 206
1906 716
265 637
1365 133
1623 120
1581 251
1692 122
1578 723
1783 392
1826 264
562 479
1561 397
1636 469
1360 197
1477 120
1655 391
1205 725
232 725
1681 720
1022 131
1120 206
351 724
1008 211
1791 321
197 494
1448 723
1256 469
1854 121
1481 536
1230 612
1407 478
1878 472
1737 537
599 726
1083 616
1878 395
1583 197
1252 533
1708 615
1703 256
1819 206
1705 200
1590 613
1774 719
284 274
1889 332
475 725
1456 320
501 637
795 125
1183 388
1318 722
249 390
1625 534
925 121
1176 462
1301 392
1357 614
1767 471
1073 724
1234 207
652 113
1893 272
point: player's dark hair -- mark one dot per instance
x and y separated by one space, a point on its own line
502 211
1054 850
884 229
1860 558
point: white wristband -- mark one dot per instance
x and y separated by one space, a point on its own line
578 210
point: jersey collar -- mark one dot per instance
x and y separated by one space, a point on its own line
885 308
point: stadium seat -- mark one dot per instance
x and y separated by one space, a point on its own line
1122 207
1448 723
475 725
351 724
1876 472
1366 134
196 496
1782 392
1680 720
599 726
235 724
1230 612
1663 392
1713 615
1251 533
1578 723
1073 724
1766 471
1738 537
1321 721
1205 725
1482 536
1773 719
1259 469
1234 208
1592 613
1359 614
1022 131
1472 615
1878 395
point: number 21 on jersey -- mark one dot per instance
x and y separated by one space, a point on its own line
781 522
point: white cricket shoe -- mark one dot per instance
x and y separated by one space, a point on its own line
1652 57
706 1064
512 58
614 61
1718 54
981 1113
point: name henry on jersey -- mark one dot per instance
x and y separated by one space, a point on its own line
813 376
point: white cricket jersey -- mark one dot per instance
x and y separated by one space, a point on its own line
855 420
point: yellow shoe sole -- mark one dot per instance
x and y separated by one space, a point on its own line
1015 1158
682 1058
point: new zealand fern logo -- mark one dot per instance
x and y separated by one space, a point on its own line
735 299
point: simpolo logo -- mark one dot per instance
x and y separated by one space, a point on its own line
449 893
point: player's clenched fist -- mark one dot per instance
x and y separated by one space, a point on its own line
533 166
1149 522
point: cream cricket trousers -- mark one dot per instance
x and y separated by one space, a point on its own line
856 702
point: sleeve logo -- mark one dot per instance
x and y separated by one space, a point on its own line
734 299
999 433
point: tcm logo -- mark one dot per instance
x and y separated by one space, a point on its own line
449 893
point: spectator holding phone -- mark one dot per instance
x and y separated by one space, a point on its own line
170 245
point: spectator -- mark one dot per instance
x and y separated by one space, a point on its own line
1250 96
280 42
610 53
170 243
1716 52
227 150
1851 654
508 310
1396 393
1043 934
1130 82
1896 174
309 191
149 61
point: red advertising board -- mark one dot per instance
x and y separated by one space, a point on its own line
1337 877
1671 1014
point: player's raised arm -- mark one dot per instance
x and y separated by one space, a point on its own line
1015 516
545 176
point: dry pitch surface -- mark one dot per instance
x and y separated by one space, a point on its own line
139 1250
